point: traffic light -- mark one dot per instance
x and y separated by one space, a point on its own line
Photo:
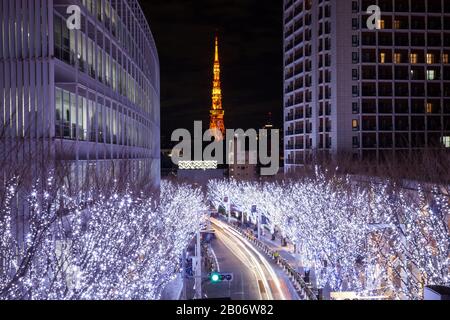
216 277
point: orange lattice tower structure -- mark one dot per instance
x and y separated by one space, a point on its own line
217 113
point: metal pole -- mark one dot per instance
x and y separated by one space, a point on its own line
198 268
259 226
183 273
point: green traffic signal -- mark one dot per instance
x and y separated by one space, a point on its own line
215 277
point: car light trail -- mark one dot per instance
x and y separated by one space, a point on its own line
253 259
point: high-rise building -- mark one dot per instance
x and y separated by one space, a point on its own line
374 93
217 113
89 96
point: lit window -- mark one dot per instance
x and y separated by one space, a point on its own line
382 57
431 74
396 24
446 141
430 58
381 24
355 125
445 58
397 57
413 58
429 107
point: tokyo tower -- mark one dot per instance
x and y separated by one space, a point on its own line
217 124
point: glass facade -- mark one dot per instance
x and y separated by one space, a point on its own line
90 94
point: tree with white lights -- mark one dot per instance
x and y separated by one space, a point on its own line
93 246
369 237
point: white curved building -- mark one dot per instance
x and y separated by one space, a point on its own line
90 96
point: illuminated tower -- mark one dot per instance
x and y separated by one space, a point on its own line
217 113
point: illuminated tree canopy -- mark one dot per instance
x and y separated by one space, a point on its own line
369 237
124 246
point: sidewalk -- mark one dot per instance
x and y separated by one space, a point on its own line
173 290
286 253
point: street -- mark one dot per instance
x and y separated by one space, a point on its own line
254 276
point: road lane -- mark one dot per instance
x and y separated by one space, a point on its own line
255 272
243 287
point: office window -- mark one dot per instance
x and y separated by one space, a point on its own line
107 125
397 57
66 115
396 24
429 107
90 6
355 57
85 120
355 40
114 126
445 58
355 108
381 24
99 10
80 122
58 112
355 91
430 58
81 51
73 116
446 141
72 47
107 13
100 64
58 102
92 121
382 57
114 78
355 74
355 125
66 43
58 37
413 58
100 122
431 75
91 61
107 70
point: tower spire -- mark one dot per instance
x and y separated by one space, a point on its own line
217 113
216 57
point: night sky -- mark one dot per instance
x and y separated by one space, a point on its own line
251 52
